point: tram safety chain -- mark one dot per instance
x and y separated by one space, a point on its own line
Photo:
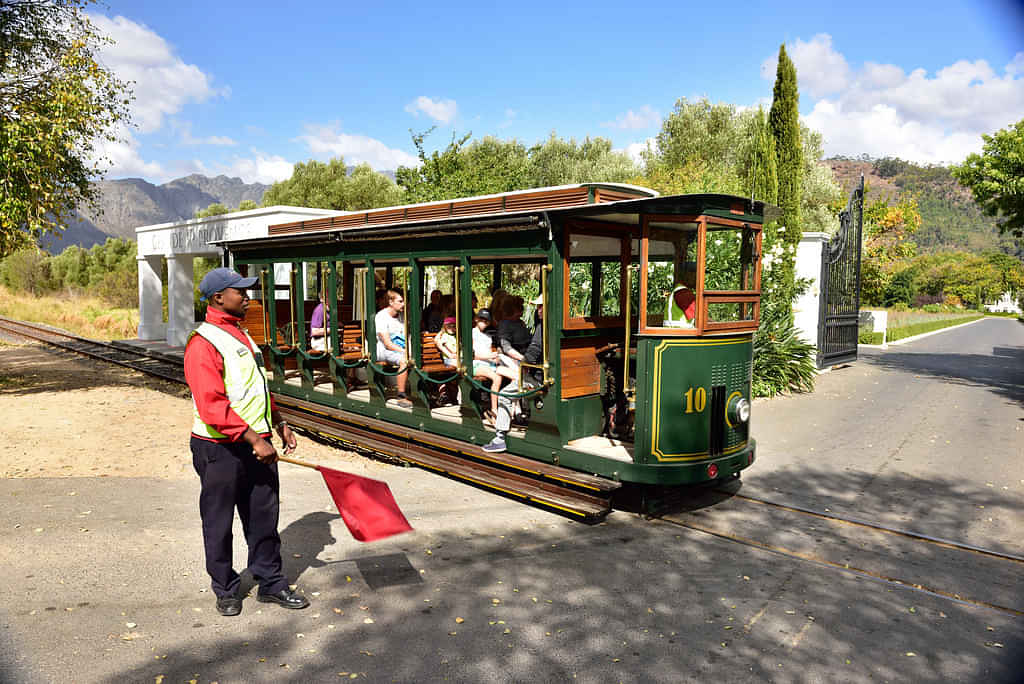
938 541
103 351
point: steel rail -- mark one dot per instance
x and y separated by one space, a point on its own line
861 572
937 541
47 335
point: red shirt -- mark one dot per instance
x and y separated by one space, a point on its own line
204 372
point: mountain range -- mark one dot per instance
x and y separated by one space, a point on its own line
127 203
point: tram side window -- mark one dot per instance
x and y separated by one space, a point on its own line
595 276
671 262
730 267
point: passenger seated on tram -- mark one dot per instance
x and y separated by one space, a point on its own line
485 358
433 317
513 335
320 325
681 307
446 342
391 346
497 305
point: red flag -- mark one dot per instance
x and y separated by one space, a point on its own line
366 505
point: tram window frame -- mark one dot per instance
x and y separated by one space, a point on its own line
625 233
748 295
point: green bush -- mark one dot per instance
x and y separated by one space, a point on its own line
894 334
782 361
868 337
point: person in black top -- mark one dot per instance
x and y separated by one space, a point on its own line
513 335
513 341
534 353
433 316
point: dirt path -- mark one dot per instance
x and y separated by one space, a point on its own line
64 415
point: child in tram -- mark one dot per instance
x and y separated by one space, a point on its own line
446 342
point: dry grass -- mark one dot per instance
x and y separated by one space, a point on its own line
82 315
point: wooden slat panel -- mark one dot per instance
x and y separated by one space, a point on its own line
470 207
603 195
254 323
546 200
581 371
428 212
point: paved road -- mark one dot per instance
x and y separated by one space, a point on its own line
486 590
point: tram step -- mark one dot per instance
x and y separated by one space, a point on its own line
599 485
585 507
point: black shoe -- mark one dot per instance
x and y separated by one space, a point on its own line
229 606
286 598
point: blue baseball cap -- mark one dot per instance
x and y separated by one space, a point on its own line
222 278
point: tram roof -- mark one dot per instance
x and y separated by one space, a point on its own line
609 202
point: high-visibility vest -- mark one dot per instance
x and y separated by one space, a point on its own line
675 316
245 382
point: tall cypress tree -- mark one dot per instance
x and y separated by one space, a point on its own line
763 182
764 177
785 127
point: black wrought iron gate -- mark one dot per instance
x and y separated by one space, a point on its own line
840 286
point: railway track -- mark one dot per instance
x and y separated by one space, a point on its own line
166 368
576 495
910 559
959 572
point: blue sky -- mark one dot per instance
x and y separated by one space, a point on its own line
248 89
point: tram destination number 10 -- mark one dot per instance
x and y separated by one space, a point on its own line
696 399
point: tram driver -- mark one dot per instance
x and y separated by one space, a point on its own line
681 307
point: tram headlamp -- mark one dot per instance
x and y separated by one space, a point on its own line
738 410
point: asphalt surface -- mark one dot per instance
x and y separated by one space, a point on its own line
106 583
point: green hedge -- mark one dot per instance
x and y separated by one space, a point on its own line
893 334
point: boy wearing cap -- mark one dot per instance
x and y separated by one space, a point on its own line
231 445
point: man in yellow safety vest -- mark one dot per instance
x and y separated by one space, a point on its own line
232 451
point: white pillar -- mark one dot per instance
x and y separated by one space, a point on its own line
151 323
180 304
808 265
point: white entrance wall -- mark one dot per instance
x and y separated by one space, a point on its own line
808 265
181 242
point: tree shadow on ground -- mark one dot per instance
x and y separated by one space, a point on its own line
32 369
1002 372
628 600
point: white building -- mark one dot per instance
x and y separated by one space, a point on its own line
179 243
1005 305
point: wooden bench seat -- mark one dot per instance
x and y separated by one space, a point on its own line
433 361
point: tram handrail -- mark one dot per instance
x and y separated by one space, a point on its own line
625 355
518 395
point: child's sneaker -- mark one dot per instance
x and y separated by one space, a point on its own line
495 446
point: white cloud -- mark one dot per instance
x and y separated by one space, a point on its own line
441 111
510 118
636 150
645 117
121 158
162 82
185 128
882 110
328 141
819 68
260 168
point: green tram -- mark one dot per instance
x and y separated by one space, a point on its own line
621 391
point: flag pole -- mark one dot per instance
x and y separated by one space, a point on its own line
297 462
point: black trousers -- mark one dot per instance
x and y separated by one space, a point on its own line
232 478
